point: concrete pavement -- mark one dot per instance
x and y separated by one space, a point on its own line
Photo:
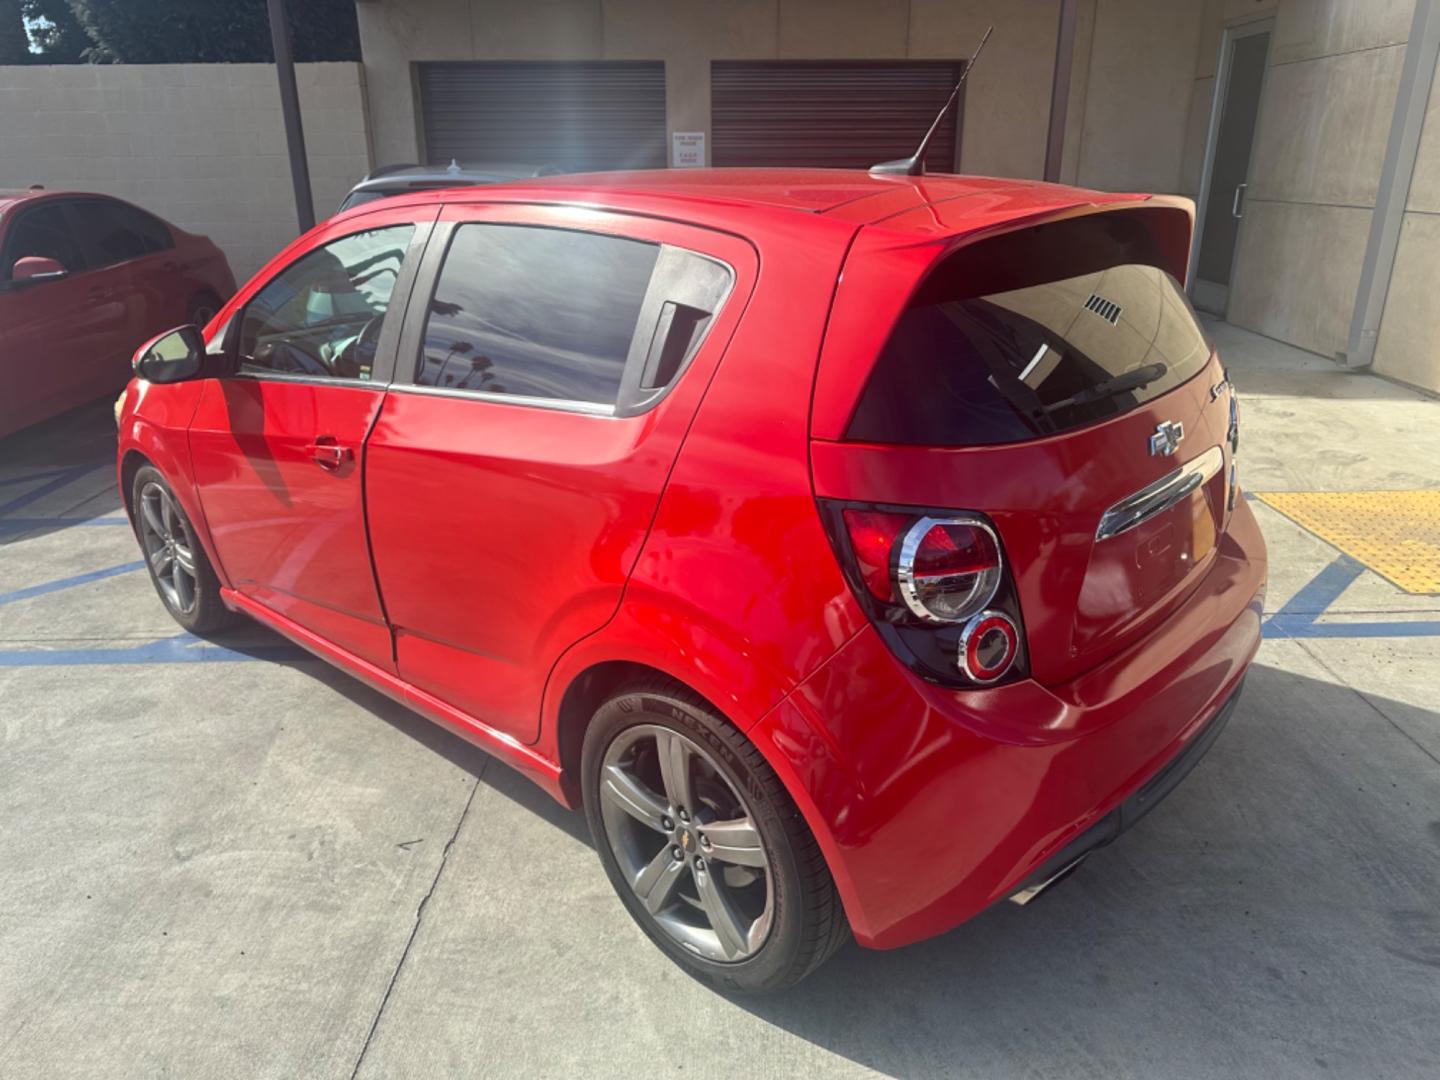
221 861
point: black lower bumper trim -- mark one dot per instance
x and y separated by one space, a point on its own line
1108 828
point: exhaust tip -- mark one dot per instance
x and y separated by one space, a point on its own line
1032 892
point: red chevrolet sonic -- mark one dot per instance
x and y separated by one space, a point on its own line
859 550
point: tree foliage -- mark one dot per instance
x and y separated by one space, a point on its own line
13 42
54 33
188 31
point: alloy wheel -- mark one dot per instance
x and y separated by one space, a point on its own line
687 843
169 547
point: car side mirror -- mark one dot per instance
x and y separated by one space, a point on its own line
35 269
171 357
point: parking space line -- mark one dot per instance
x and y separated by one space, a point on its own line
1299 617
18 524
65 478
10 481
70 582
181 649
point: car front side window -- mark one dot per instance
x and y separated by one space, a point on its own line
321 316
43 232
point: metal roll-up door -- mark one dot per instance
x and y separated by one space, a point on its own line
575 116
831 113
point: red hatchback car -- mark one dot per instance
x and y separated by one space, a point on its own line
84 279
859 550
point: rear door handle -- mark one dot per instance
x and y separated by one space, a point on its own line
329 454
1235 201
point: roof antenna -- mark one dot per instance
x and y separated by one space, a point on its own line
914 165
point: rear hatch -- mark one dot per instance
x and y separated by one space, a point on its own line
1054 380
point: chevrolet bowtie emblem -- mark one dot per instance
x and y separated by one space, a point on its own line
1166 439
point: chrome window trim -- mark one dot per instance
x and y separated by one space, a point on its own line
587 408
304 380
1160 496
905 566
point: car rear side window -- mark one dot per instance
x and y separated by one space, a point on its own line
43 232
535 313
116 233
1082 327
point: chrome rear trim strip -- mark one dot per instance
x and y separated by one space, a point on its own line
1160 496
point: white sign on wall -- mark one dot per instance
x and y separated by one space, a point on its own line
687 149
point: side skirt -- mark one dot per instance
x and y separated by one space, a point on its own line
540 769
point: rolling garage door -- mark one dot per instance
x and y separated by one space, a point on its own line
831 113
575 116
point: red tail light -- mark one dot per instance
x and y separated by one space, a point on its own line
873 535
936 585
948 568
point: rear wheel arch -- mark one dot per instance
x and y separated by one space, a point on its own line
583 697
130 464
603 680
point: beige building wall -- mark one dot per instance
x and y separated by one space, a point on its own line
1408 348
1325 113
1125 126
1138 117
202 145
1135 72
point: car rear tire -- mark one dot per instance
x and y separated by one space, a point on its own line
703 844
174 558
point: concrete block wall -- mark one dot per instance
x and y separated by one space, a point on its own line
202 145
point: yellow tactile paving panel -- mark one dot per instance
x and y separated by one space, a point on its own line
1394 533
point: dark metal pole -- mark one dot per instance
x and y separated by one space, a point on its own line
290 108
1060 89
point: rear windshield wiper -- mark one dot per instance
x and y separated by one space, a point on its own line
1131 380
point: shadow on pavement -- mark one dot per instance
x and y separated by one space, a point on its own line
1279 915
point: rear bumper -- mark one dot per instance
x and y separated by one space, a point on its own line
932 804
1108 829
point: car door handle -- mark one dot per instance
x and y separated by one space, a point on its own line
1235 201
328 454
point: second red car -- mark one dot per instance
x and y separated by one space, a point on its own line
84 279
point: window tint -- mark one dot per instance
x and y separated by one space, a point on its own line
322 314
43 232
542 313
1044 357
115 232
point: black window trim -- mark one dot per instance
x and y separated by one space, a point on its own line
382 372
631 401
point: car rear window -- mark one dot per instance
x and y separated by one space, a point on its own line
1030 334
